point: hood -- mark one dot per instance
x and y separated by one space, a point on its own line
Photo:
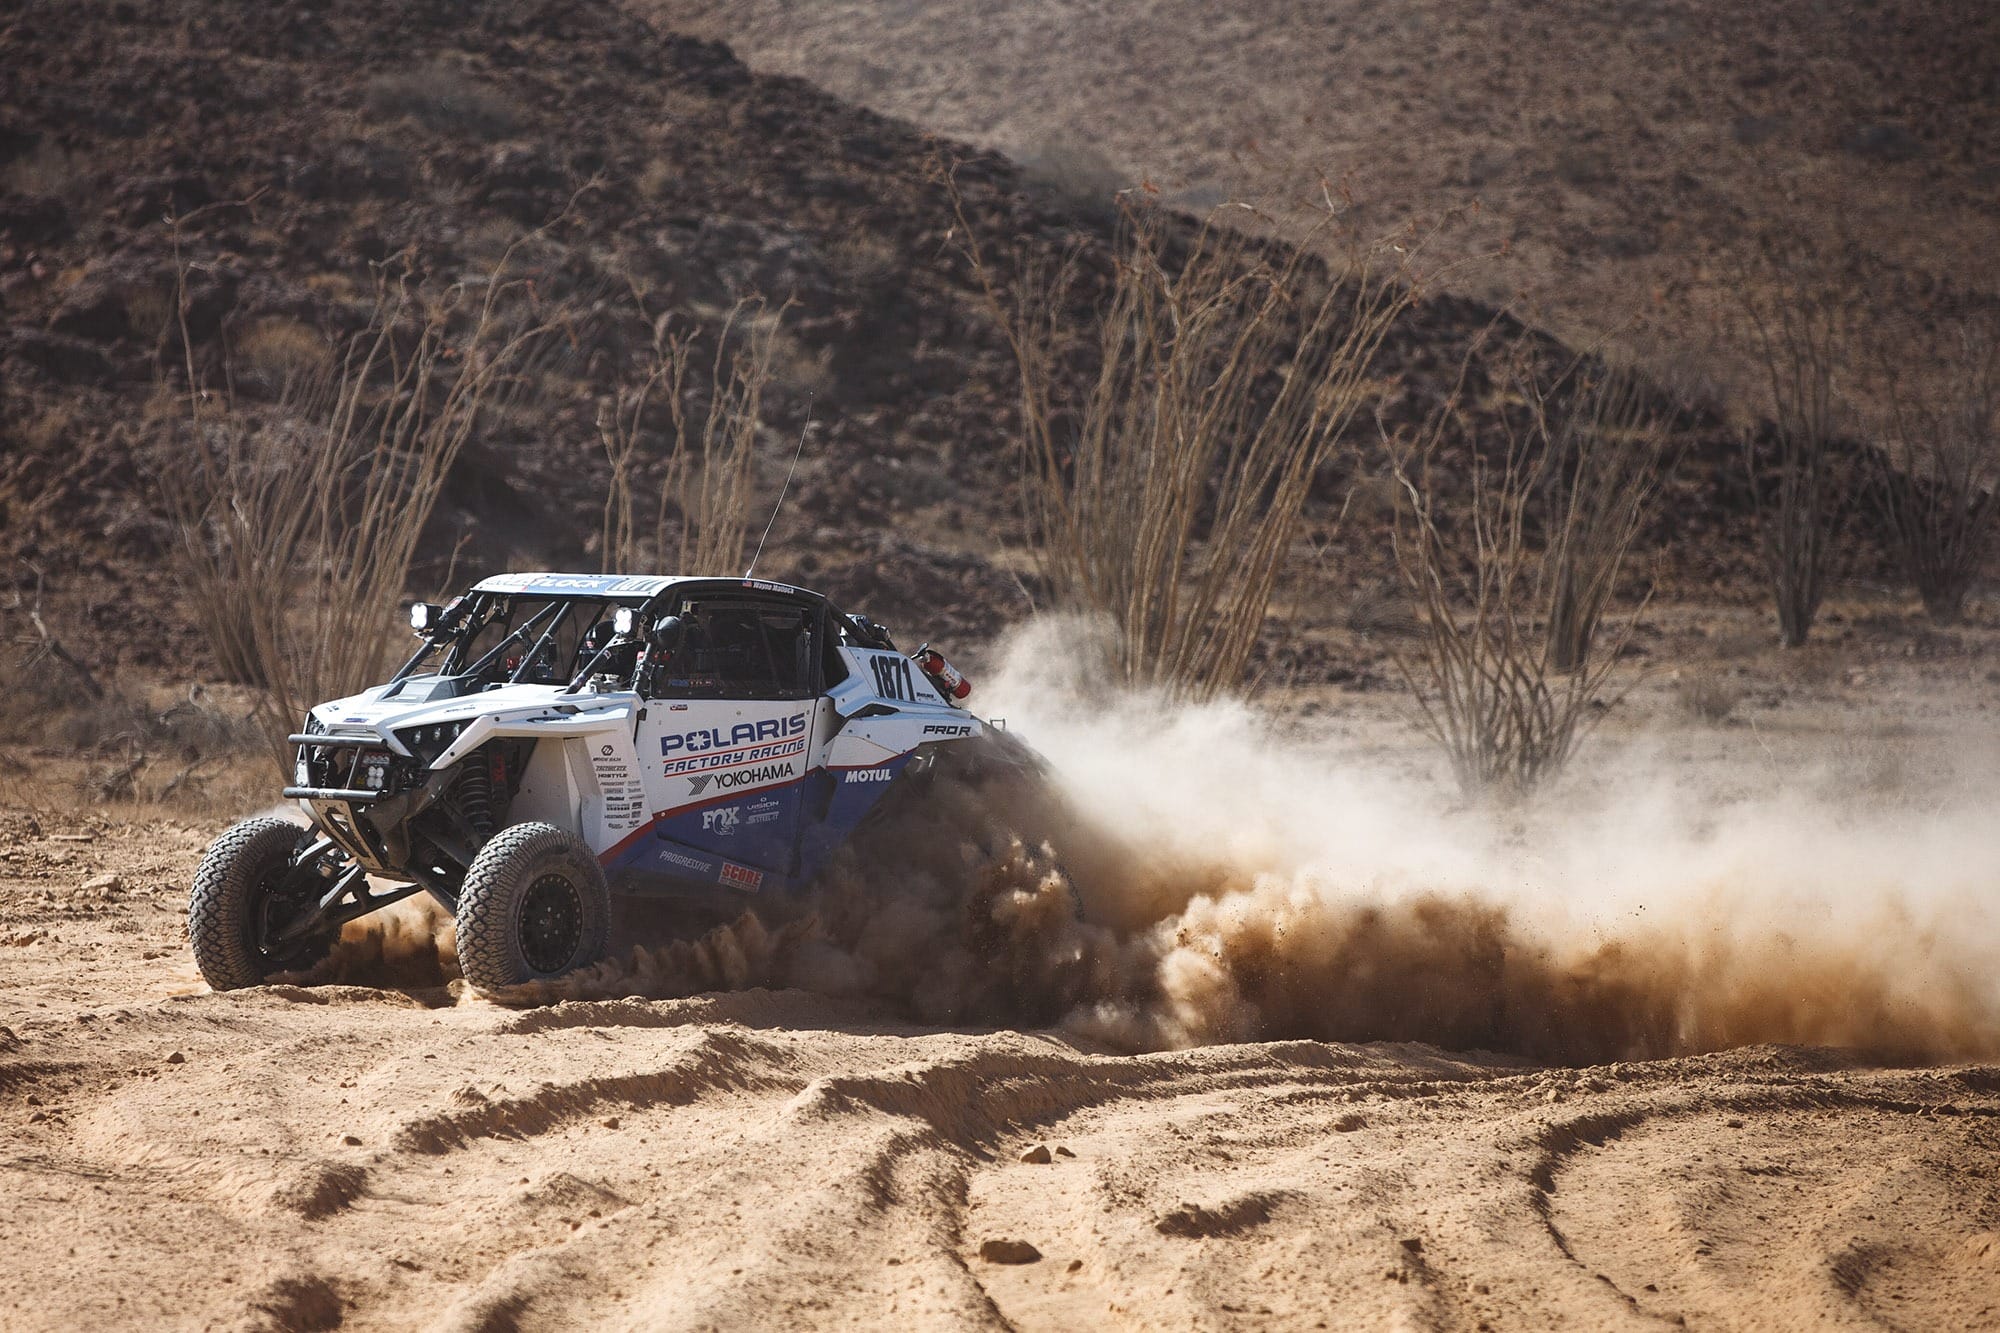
388 709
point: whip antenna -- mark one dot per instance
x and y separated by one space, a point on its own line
782 492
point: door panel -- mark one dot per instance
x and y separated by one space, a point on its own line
733 777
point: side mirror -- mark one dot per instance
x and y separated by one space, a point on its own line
424 616
668 634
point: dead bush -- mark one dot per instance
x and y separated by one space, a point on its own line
1708 695
299 524
1938 485
1484 670
1802 330
705 465
1163 493
1605 445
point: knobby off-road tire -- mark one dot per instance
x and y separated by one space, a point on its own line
534 905
235 898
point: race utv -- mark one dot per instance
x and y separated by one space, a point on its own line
560 738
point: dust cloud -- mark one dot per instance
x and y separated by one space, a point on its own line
1242 880
410 945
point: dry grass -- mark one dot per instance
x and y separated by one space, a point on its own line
1164 494
281 351
706 471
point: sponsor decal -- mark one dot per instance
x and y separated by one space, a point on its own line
942 730
754 754
764 811
743 734
869 775
754 777
741 877
698 785
767 587
580 583
624 796
686 862
721 819
677 708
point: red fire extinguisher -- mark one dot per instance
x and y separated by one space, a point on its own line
950 682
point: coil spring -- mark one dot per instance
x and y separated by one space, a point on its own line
475 794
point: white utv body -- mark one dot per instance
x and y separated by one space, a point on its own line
562 738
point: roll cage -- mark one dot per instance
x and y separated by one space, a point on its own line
745 638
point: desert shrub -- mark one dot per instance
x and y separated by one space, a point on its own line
1163 492
1938 486
280 351
299 524
444 99
1801 334
1604 442
1485 669
128 748
45 171
705 464
656 178
1708 695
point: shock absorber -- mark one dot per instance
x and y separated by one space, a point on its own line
474 792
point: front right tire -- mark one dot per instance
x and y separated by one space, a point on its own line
244 895
534 905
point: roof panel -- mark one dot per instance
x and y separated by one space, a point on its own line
576 585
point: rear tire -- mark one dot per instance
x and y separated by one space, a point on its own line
239 899
534 905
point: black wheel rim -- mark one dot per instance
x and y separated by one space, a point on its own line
275 905
551 923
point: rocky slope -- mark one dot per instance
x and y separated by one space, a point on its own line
296 155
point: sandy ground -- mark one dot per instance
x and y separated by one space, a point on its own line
401 1155
391 1158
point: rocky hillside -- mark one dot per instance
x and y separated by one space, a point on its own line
291 152
1627 156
